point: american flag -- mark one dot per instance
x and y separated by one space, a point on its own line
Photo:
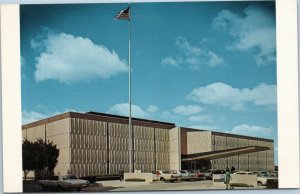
124 14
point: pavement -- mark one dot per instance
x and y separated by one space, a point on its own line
117 185
160 186
165 186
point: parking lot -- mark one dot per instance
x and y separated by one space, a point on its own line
162 186
116 185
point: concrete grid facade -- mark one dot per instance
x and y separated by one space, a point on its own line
96 143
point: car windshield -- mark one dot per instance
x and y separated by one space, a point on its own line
166 172
263 174
182 171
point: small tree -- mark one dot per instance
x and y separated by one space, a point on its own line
39 156
28 155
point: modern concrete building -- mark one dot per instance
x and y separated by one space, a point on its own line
96 143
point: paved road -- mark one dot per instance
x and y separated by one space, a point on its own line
162 186
159 186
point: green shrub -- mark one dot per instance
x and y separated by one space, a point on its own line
272 184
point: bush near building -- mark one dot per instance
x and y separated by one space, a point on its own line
40 157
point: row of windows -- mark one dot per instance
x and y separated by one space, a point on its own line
81 126
162 157
88 156
143 132
80 141
118 156
143 145
143 157
162 146
161 134
118 143
118 130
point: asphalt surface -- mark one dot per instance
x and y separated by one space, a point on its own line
117 185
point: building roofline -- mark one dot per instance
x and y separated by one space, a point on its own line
241 136
125 117
101 117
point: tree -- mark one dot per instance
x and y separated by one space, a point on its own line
39 156
28 155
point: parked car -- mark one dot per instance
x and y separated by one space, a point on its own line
66 182
166 175
244 173
263 177
208 174
187 175
199 175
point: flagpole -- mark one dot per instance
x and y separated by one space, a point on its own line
129 96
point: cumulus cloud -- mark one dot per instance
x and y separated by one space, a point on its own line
192 56
204 127
221 94
187 110
152 109
255 28
32 116
69 58
252 130
123 109
170 61
200 118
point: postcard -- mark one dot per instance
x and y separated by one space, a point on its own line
150 96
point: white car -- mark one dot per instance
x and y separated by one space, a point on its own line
66 182
262 177
166 175
244 173
187 175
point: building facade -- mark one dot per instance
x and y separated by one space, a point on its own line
259 154
96 143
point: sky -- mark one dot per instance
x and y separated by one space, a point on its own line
206 65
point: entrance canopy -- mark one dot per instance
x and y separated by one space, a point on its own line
222 153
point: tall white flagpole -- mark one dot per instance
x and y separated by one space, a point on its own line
129 96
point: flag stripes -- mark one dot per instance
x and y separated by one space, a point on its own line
124 14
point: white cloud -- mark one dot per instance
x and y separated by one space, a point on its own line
204 127
256 131
224 95
68 59
187 110
254 29
152 109
170 61
32 116
167 115
200 118
193 56
123 109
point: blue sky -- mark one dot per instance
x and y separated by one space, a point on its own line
207 65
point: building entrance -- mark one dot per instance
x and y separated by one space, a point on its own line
196 165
